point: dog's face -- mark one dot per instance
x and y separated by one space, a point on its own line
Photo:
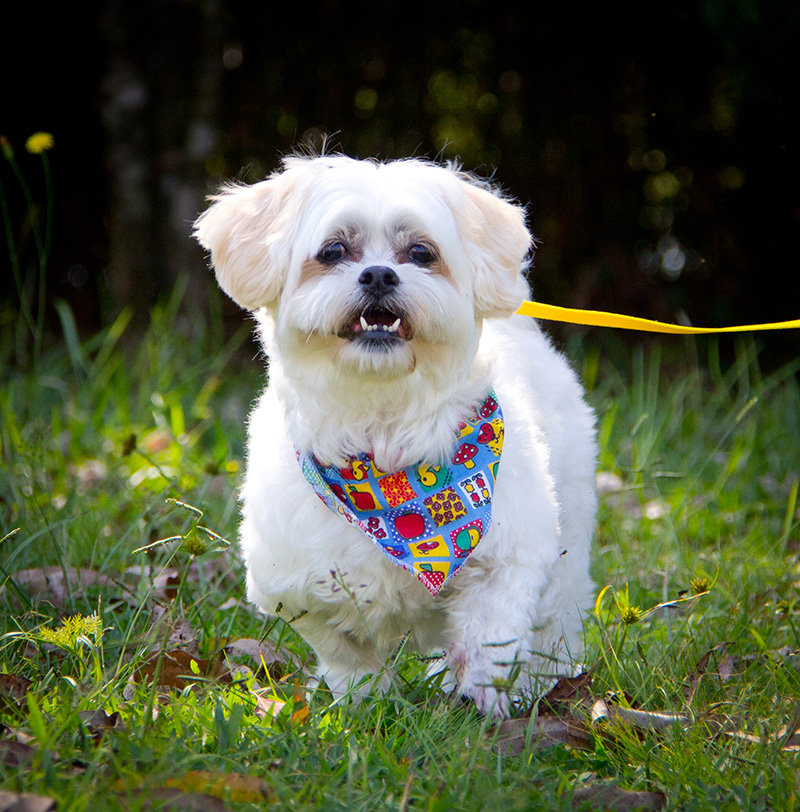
369 269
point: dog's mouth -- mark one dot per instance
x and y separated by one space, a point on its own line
377 324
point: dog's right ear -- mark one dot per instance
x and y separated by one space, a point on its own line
245 229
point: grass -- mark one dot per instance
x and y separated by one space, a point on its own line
111 445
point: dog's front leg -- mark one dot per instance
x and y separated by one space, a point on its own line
491 616
351 666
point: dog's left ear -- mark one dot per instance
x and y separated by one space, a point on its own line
245 229
502 243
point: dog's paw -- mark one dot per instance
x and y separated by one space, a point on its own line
488 700
480 680
354 686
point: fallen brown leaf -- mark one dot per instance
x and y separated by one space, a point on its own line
267 706
173 669
300 715
605 796
163 582
173 633
727 667
199 790
692 681
14 686
16 754
545 731
260 655
568 691
25 802
98 722
57 584
166 799
234 786
12 691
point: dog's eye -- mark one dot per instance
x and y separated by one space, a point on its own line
332 252
421 254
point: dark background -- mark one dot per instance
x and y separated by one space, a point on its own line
656 145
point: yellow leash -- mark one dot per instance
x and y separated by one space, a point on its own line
597 318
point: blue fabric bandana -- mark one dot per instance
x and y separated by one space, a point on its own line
426 518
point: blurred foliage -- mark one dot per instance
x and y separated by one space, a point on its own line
656 145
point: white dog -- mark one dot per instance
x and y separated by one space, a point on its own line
421 464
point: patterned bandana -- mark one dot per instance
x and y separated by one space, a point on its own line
426 518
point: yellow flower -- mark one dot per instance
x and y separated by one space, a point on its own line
631 614
39 143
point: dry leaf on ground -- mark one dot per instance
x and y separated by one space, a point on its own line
260 655
57 584
14 686
692 681
16 754
177 669
727 667
98 722
568 691
172 633
170 800
544 731
200 790
163 582
267 706
234 786
609 797
12 691
25 802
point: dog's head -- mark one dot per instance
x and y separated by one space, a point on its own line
375 267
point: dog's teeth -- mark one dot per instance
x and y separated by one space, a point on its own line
379 328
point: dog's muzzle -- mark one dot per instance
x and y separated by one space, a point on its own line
379 321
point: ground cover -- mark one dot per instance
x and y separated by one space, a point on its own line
133 674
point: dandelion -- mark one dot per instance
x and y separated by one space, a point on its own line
630 615
39 143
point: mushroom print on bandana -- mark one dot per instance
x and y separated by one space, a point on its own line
430 516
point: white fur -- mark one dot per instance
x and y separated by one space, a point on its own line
516 604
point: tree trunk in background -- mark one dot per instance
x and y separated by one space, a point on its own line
160 102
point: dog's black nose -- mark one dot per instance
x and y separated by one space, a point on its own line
378 279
